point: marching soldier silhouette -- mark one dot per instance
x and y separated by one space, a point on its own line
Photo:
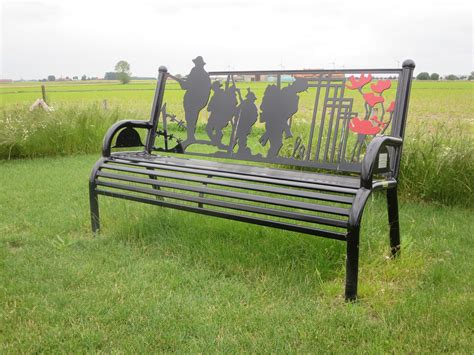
248 114
278 106
198 87
223 108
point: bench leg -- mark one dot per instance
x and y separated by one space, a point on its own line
392 203
352 264
155 187
201 194
94 206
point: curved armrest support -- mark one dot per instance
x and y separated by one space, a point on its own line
370 158
107 143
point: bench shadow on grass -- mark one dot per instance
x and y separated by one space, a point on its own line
228 248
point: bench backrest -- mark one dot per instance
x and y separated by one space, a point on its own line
309 118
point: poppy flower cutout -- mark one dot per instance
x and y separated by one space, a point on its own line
363 127
391 107
373 100
381 86
360 82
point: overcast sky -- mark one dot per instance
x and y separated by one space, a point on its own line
67 38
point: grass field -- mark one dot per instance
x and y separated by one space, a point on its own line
430 100
151 283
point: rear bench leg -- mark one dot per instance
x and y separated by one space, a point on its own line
352 264
201 194
94 205
93 197
392 203
155 187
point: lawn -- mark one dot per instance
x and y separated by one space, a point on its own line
162 280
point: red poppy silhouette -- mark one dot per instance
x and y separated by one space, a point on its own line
381 86
373 100
391 107
362 126
358 83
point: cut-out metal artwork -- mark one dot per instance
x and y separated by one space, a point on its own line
278 107
347 111
197 86
248 115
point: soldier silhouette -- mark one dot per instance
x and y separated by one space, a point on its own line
198 87
223 107
248 114
278 106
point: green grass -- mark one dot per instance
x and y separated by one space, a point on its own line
160 280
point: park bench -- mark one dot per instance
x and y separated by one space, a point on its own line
300 150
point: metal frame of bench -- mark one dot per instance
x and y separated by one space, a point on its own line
321 204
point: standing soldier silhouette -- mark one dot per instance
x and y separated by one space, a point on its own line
278 106
198 87
223 107
248 114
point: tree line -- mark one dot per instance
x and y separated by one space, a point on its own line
435 76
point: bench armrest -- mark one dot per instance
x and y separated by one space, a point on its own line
107 143
370 159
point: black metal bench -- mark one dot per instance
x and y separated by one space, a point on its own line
338 150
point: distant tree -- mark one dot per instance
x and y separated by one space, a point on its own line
110 75
123 71
179 76
423 76
434 76
51 78
84 77
463 77
471 77
75 78
451 77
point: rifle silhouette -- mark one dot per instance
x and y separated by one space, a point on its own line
235 121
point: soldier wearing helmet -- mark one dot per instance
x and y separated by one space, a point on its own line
278 106
248 114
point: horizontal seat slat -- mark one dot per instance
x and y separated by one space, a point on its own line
236 184
268 180
231 205
274 173
231 194
228 215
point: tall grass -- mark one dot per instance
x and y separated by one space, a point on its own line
70 130
437 162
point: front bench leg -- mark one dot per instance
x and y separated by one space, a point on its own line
352 264
392 204
352 253
94 206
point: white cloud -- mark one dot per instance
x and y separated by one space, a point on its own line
77 37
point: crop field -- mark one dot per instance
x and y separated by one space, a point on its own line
160 280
